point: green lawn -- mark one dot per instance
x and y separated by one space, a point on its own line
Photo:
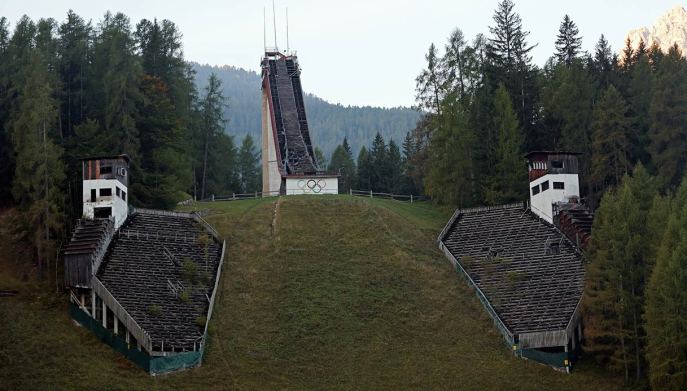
350 293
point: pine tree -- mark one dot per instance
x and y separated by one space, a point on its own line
568 41
39 171
428 83
210 127
75 42
450 178
364 170
117 96
320 158
165 169
408 167
509 181
347 148
249 165
342 164
379 174
619 263
628 55
611 140
222 176
668 111
605 63
509 62
569 93
6 153
666 298
454 65
394 163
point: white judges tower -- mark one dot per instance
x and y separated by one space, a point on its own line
553 181
105 187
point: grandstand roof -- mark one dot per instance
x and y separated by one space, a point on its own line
528 271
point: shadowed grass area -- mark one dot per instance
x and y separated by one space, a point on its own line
350 293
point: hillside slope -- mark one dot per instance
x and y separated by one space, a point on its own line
329 123
347 294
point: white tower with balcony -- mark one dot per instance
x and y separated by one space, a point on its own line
105 188
553 181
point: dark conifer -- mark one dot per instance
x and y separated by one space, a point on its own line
568 41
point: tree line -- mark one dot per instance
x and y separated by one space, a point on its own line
73 89
635 300
486 104
383 167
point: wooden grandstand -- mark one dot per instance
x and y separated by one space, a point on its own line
144 281
526 272
145 269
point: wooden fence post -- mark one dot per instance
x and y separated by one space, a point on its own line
411 198
350 191
370 193
213 198
256 195
233 196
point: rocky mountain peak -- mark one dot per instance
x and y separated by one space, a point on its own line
669 29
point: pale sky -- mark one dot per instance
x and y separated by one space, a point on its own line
354 52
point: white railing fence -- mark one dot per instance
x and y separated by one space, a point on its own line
354 193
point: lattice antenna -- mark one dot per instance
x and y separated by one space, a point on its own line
287 31
274 23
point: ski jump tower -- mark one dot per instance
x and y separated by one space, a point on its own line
289 165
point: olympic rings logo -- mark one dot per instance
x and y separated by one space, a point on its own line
312 186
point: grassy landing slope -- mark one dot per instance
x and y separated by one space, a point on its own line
348 294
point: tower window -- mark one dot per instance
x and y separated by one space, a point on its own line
556 164
559 185
106 192
123 195
535 190
93 196
545 186
117 191
105 170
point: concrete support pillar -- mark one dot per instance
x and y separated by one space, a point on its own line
116 324
104 315
574 342
579 330
127 337
83 301
93 303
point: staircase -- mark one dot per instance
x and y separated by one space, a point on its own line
85 251
576 224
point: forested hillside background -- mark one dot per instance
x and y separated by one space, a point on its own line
329 123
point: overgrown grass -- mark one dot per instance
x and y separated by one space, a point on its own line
350 293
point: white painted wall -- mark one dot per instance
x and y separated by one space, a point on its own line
271 177
542 203
120 208
314 185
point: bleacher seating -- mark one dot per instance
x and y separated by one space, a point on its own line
144 268
531 274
